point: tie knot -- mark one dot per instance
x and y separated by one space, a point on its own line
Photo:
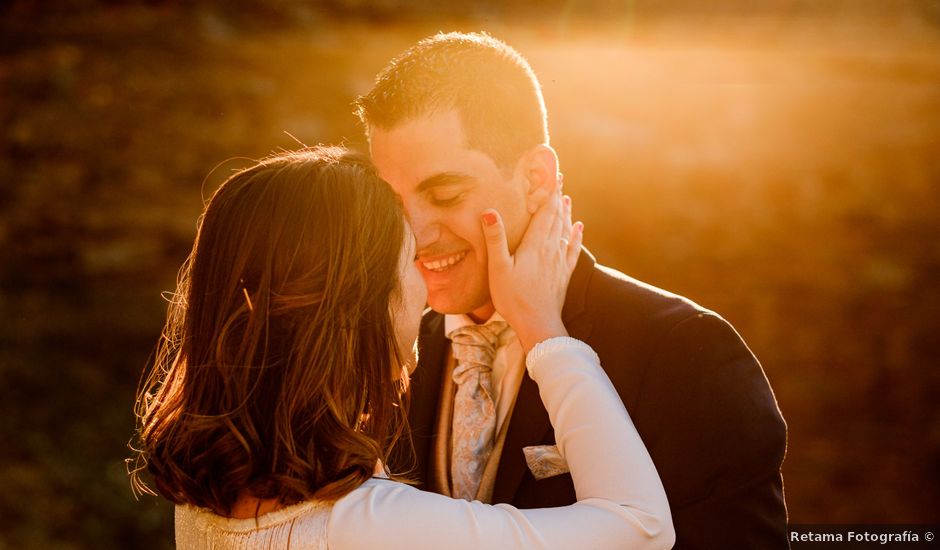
476 344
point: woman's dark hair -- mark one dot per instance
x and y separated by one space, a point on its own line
278 375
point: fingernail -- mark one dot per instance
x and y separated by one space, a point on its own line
567 200
489 218
580 227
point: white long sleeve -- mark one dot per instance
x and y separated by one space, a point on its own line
621 501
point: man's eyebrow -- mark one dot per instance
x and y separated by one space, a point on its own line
443 179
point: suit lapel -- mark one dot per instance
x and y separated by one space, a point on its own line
529 424
424 390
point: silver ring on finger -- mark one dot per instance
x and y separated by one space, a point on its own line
564 242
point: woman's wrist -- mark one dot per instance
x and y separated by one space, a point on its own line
540 331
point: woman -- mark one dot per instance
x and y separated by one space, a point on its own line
277 393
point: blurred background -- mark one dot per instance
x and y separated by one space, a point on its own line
776 161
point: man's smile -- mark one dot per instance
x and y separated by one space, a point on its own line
442 263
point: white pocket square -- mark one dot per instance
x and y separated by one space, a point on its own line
545 461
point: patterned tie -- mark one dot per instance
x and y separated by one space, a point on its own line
474 347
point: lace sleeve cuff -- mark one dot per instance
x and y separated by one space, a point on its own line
553 346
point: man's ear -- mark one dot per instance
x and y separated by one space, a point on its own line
539 168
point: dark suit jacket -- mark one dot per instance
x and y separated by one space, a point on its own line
695 392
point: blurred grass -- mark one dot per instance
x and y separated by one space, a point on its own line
776 166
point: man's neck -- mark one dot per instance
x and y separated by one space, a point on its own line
482 313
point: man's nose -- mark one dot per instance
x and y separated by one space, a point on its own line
425 226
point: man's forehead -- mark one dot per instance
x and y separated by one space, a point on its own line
420 171
408 157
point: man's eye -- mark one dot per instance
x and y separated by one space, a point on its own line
448 200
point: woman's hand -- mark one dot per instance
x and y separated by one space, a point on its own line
528 288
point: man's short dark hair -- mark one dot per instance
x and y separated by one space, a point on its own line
490 85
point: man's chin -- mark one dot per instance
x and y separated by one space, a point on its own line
448 306
479 310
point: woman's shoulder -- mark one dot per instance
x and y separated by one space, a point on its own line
302 525
382 513
380 494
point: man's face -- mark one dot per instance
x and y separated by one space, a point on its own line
445 188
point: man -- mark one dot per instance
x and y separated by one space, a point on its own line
457 125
